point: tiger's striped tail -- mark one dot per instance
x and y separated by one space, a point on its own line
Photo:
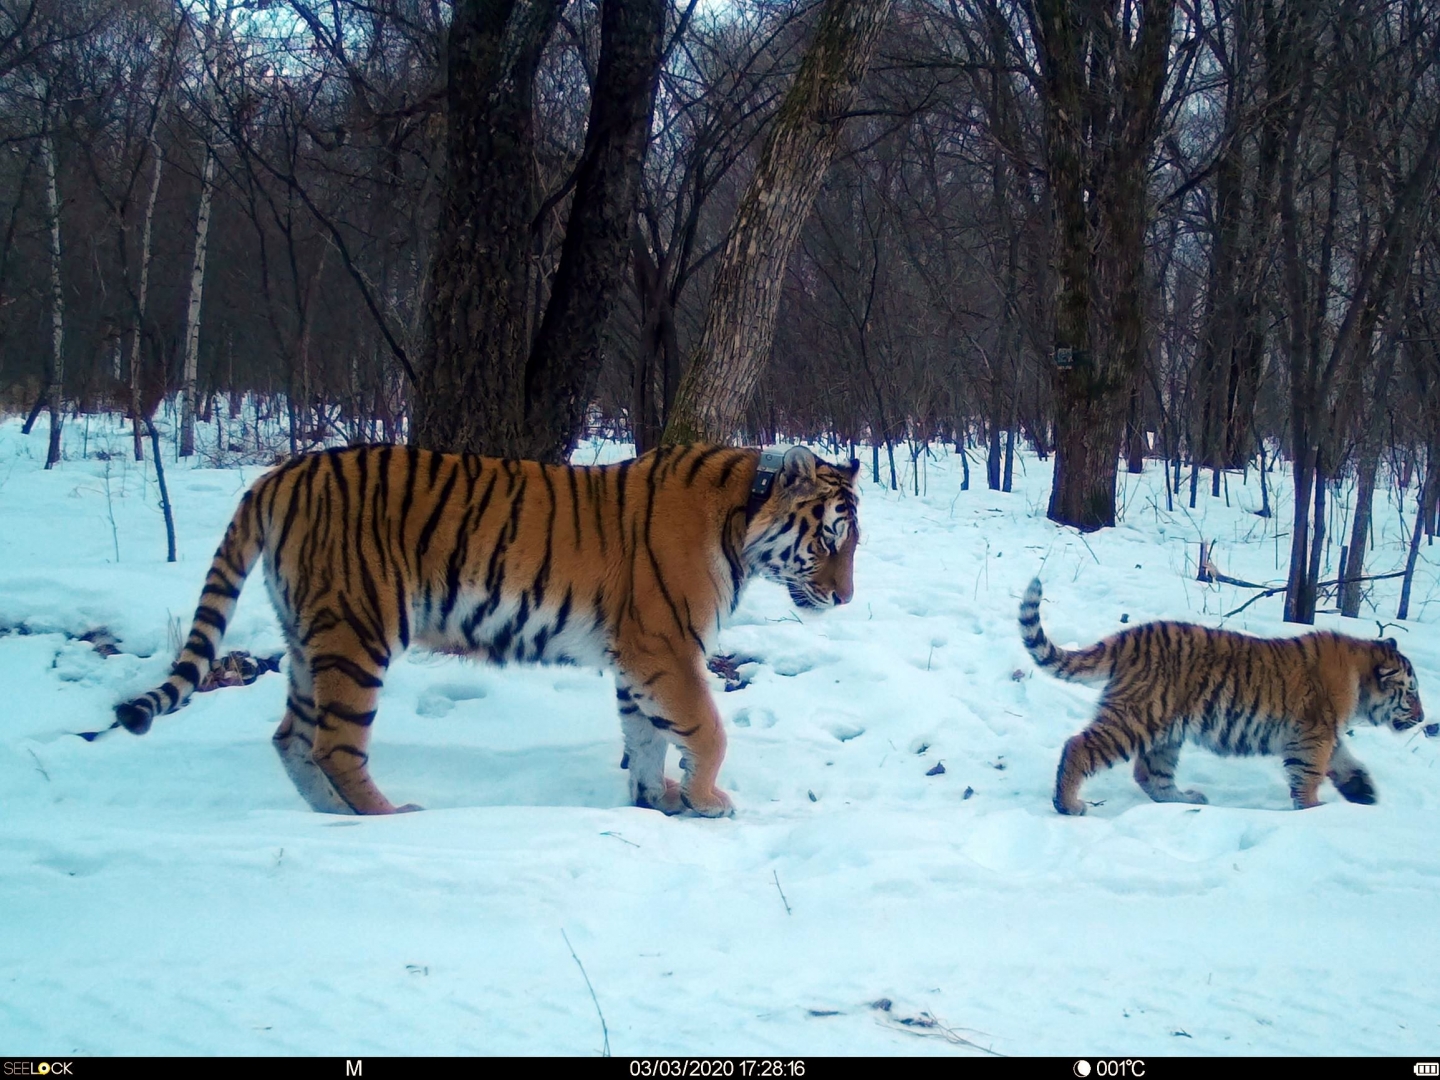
1092 665
237 554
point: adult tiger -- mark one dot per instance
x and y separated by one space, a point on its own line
632 566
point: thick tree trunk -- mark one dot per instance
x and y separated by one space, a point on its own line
55 377
804 137
468 395
1102 92
500 376
192 310
564 363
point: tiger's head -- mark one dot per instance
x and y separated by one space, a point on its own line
804 535
1395 697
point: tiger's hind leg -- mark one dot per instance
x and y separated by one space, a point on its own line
669 692
295 742
1112 736
347 677
1349 776
1155 773
645 751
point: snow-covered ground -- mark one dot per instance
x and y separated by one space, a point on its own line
172 894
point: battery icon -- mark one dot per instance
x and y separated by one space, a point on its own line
1427 1068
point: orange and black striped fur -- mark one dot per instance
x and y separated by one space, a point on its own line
633 566
1168 682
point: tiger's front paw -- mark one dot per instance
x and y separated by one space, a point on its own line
408 808
714 803
668 802
1193 796
1357 788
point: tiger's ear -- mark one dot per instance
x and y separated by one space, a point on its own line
854 468
1391 643
799 465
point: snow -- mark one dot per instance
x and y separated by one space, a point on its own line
172 894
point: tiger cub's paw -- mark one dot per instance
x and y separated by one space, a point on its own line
714 803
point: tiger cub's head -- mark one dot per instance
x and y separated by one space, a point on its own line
804 535
1394 701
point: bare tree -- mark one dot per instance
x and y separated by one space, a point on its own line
503 374
1105 66
55 376
803 139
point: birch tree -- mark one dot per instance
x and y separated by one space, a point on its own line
55 376
192 309
215 41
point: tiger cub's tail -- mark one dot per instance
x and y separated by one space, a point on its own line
1091 665
243 543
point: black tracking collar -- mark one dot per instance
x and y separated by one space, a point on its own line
771 461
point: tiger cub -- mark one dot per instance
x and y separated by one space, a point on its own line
1166 682
630 566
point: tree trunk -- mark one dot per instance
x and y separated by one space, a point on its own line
992 458
803 139
165 506
55 377
500 376
138 327
1102 91
1299 586
1368 454
645 417
1427 497
192 310
1007 480
564 364
468 397
1217 355
1135 435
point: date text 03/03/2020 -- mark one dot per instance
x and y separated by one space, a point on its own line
742 1068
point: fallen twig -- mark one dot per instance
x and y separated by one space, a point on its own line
926 1026
38 765
603 1027
776 875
